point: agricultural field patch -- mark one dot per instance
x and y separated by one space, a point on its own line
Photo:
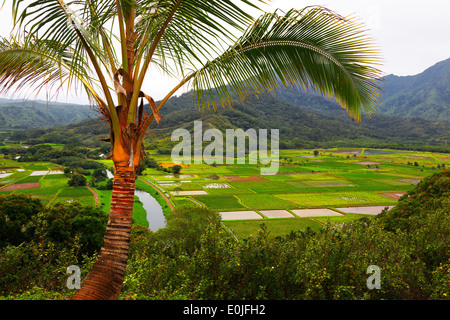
264 186
182 202
244 170
245 178
36 167
48 183
272 214
75 192
30 179
216 186
88 201
240 215
186 186
228 202
411 181
22 186
330 183
327 199
188 193
39 173
55 176
371 210
392 195
304 213
265 201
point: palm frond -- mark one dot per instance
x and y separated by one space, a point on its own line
33 67
314 48
196 30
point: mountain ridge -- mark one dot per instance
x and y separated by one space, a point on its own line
26 114
425 95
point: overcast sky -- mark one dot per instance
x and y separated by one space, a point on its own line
412 35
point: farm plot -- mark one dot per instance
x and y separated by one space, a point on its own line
327 199
177 202
222 187
45 194
265 202
372 210
240 215
247 170
265 186
188 193
224 203
80 194
22 186
15 177
315 213
175 185
271 214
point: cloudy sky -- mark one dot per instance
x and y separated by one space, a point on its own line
412 35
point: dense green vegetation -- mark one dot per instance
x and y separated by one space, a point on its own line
39 242
422 96
25 114
322 125
425 95
304 121
195 258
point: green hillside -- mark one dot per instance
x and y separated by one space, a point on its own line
298 128
24 114
303 129
426 96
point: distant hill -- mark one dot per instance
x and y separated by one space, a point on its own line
25 114
301 128
426 96
415 113
298 128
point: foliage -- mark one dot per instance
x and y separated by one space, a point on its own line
430 196
195 258
328 264
60 235
77 180
188 225
16 212
63 223
100 174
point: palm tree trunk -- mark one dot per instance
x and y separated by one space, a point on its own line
105 280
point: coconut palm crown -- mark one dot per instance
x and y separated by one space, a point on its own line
108 48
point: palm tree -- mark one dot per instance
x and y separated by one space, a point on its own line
108 47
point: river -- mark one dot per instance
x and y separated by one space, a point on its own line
155 214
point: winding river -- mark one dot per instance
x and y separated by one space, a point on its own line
155 214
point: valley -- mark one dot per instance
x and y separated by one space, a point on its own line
335 186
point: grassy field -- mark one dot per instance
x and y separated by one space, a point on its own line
53 188
334 178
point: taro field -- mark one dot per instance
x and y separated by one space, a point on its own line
335 186
47 181
40 179
308 191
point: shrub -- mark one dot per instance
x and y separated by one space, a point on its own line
77 180
16 212
100 174
62 223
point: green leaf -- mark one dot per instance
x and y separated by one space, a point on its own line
314 49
